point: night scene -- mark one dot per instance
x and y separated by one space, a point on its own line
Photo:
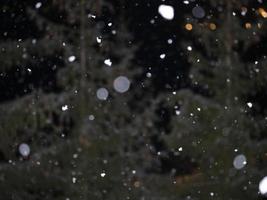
133 100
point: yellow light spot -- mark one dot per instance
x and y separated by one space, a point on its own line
248 25
189 27
212 26
137 184
263 13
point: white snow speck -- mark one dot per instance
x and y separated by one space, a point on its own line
263 186
148 75
103 174
91 16
91 117
162 56
186 2
71 58
169 41
98 39
166 11
74 179
38 5
65 107
239 161
24 149
102 94
249 104
177 112
34 41
121 84
108 62
189 48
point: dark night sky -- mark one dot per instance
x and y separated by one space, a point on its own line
151 37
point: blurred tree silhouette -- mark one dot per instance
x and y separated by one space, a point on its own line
214 121
81 143
65 71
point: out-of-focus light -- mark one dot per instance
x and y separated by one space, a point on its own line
263 186
188 27
166 11
244 11
262 12
248 25
212 26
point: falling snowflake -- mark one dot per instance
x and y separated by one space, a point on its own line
162 56
239 161
108 62
148 75
263 186
71 58
189 48
102 94
24 149
121 84
38 5
91 117
166 11
98 40
74 179
249 104
198 12
65 107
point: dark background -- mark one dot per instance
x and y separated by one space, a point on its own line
136 137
